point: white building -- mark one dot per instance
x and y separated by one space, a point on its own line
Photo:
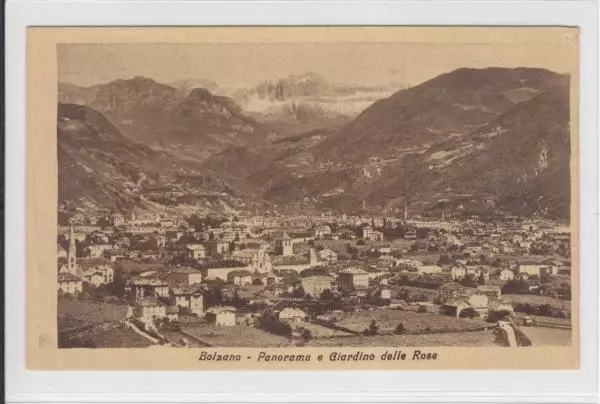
222 316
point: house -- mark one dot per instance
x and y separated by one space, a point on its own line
473 249
291 314
240 277
221 269
216 247
449 291
317 284
478 302
148 287
295 263
189 299
183 276
100 269
61 252
500 305
429 270
117 219
507 275
221 316
371 235
69 283
256 259
233 230
385 249
353 278
530 268
150 309
458 272
492 291
327 255
116 254
195 251
321 232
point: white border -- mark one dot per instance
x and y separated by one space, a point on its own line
480 386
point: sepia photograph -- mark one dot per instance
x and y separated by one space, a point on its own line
334 194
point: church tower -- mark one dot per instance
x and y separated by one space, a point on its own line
285 245
405 212
72 253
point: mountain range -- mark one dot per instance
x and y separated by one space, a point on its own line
492 140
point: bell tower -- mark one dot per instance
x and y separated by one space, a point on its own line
72 253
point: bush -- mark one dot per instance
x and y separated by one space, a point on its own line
545 310
273 325
360 242
372 329
422 309
469 312
499 315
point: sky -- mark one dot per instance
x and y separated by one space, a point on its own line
246 64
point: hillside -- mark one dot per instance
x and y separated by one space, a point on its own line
100 169
491 140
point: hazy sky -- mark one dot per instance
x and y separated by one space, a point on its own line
244 65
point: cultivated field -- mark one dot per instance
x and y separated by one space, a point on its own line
474 338
544 336
106 335
535 300
90 312
239 335
413 322
319 331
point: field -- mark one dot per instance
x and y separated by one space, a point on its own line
319 331
107 335
413 322
85 311
535 300
543 336
547 321
475 338
236 336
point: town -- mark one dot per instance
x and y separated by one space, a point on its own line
131 279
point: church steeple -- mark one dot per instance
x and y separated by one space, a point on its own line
72 253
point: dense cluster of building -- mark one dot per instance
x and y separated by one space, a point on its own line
224 270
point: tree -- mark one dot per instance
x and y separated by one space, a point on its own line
481 280
444 260
422 309
299 292
360 242
469 312
306 335
372 329
399 329
327 295
257 281
545 310
469 281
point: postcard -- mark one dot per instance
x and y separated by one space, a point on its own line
289 198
